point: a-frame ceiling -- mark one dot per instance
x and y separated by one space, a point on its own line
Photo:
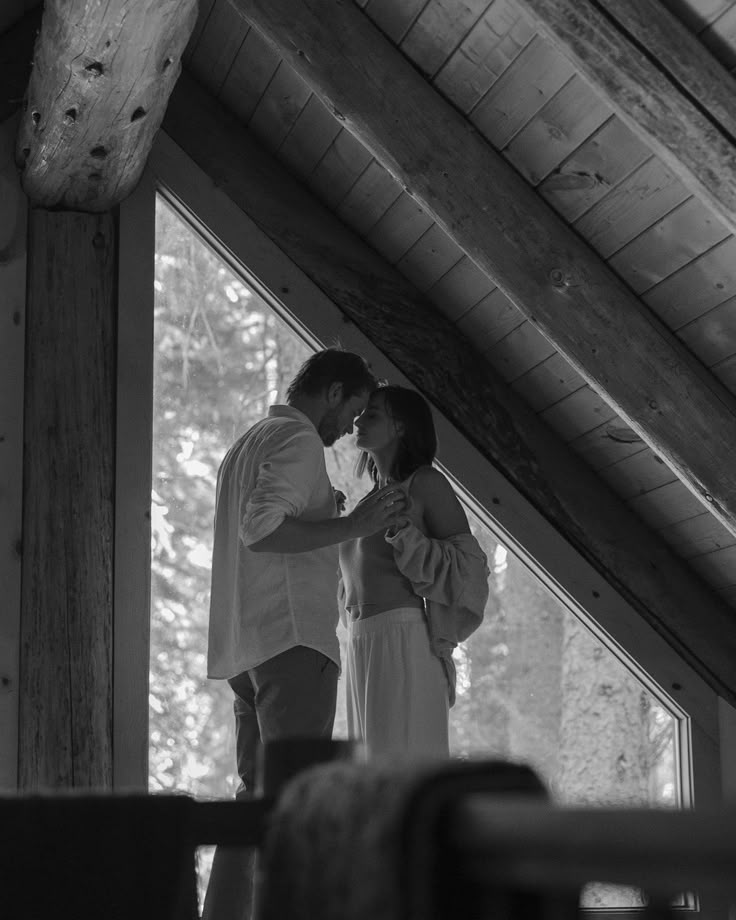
532 207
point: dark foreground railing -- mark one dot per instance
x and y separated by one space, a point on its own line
477 841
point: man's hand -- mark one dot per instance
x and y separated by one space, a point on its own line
379 512
340 500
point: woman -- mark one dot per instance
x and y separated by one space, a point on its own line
409 594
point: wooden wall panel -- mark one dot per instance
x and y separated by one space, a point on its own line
12 334
68 483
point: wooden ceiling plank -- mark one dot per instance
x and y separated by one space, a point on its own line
429 258
568 119
394 17
712 337
639 474
519 351
665 505
460 289
608 444
682 132
248 79
399 228
577 413
719 567
508 230
696 17
720 38
685 233
490 47
594 169
645 196
490 320
697 535
547 382
521 91
309 139
438 30
204 8
279 107
344 162
407 329
701 285
219 43
369 199
98 90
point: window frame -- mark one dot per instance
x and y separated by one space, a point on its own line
317 320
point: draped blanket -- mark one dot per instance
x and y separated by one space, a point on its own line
365 841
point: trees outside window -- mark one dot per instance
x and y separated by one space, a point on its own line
535 683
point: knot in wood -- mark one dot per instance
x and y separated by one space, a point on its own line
558 278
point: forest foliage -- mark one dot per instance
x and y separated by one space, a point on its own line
535 684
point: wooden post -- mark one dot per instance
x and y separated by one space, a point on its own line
65 725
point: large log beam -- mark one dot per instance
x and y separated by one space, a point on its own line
65 721
440 362
547 271
659 79
102 75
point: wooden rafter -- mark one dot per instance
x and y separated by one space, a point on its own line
660 80
431 352
546 270
102 75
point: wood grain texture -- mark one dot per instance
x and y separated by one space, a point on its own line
579 305
674 49
101 77
486 52
682 132
13 232
591 171
68 482
438 360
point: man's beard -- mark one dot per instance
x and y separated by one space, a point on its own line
329 427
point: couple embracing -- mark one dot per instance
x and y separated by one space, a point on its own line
401 569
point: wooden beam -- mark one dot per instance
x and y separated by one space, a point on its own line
65 725
547 271
431 352
102 75
659 79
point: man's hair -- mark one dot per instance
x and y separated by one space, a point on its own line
418 442
332 365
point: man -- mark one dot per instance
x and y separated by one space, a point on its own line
273 606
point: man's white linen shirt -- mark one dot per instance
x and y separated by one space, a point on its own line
262 604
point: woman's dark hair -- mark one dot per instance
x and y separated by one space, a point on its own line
332 365
418 442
